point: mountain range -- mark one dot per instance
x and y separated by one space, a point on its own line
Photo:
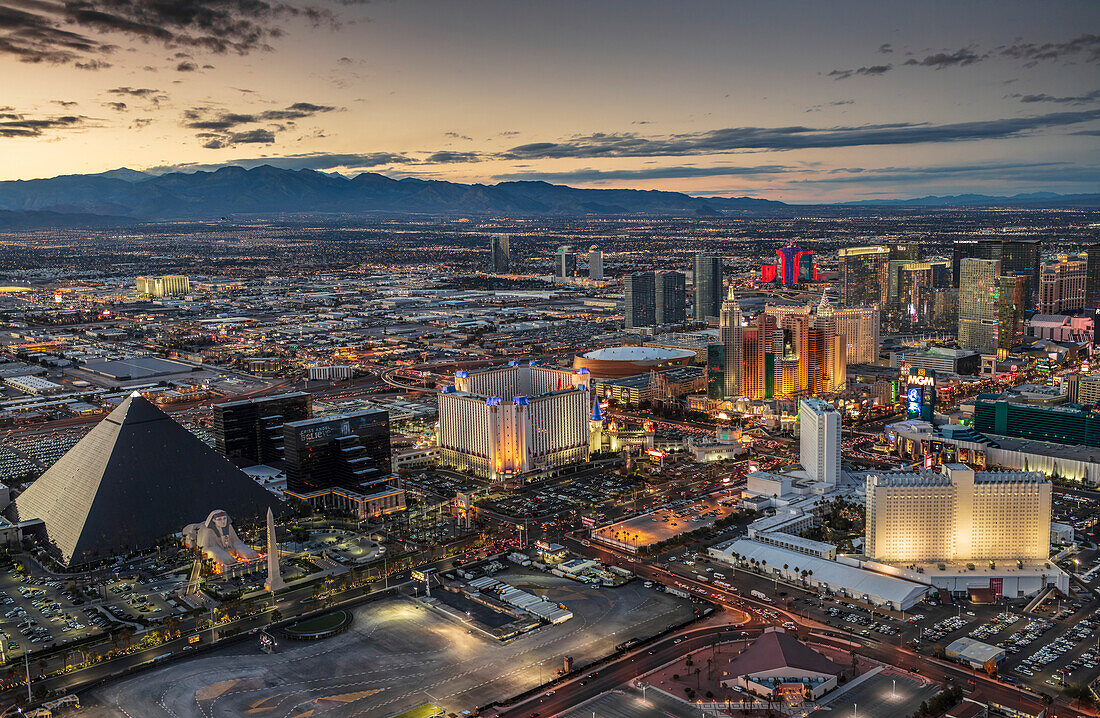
267 190
126 196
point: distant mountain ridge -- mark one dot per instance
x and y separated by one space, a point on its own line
124 196
1033 199
270 190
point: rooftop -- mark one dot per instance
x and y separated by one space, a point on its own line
635 354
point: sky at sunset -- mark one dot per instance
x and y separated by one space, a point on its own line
806 101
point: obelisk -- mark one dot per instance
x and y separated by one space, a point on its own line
274 577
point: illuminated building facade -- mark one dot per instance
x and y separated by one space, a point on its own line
863 276
1062 285
170 285
958 515
819 440
730 332
505 422
795 265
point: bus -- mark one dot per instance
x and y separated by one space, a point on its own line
758 595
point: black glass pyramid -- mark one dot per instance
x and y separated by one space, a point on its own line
138 476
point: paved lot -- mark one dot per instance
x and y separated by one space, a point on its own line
663 524
885 695
397 655
627 703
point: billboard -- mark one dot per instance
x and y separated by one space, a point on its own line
920 392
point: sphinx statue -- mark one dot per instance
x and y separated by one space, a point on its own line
218 541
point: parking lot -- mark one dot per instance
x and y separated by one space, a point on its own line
398 654
668 521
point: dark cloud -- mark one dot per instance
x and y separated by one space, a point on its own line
141 122
790 138
596 175
872 71
148 94
446 156
186 66
940 60
307 161
70 31
92 65
14 124
65 103
117 106
1084 47
456 136
1084 99
1047 172
222 129
885 48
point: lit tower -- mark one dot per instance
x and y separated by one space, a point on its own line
595 428
731 335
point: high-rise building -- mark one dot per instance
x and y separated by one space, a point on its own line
753 364
639 300
502 423
347 451
170 285
565 262
708 286
730 333
501 254
819 440
1092 276
595 263
795 265
979 308
716 372
958 515
670 298
863 276
250 431
1062 285
828 351
1017 257
909 251
1011 301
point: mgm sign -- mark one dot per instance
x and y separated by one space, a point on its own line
920 392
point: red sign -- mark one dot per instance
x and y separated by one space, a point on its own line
997 585
588 521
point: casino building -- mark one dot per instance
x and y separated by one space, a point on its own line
506 422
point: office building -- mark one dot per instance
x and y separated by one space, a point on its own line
908 251
708 286
250 431
639 300
501 254
958 515
670 298
989 316
863 276
595 263
1062 285
819 440
170 285
1087 389
730 334
565 262
348 451
503 423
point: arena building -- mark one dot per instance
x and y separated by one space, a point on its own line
617 362
505 422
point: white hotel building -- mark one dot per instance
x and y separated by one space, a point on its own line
958 516
506 422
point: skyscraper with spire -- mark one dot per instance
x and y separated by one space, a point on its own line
731 335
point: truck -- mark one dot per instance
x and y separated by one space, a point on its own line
520 559
760 596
